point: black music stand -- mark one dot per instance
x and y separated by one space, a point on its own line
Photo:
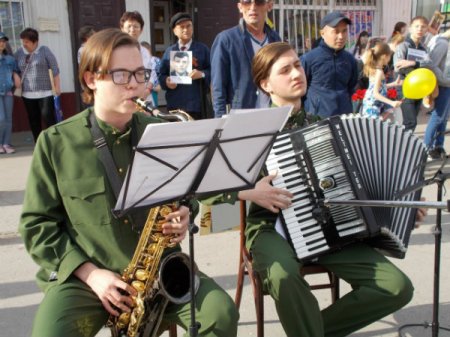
183 161
439 179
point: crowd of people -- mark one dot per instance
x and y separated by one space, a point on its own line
82 249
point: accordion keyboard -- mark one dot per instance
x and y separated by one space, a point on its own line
304 230
308 235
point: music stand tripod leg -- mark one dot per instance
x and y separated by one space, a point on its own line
435 327
193 229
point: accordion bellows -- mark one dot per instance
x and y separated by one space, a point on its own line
347 158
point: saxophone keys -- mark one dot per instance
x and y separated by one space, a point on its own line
138 285
165 210
123 320
141 274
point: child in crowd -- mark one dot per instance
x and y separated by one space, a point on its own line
393 43
376 58
154 64
410 55
84 34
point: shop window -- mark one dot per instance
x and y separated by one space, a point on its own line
12 21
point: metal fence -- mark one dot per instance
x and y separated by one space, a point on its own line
298 21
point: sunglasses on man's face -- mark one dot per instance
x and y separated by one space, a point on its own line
256 2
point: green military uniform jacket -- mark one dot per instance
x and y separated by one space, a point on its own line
66 218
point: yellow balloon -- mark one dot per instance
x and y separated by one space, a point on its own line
419 83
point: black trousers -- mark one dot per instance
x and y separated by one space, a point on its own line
410 110
38 109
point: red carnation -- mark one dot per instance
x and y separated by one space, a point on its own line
392 93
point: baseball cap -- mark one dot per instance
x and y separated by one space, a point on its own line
332 19
3 36
178 18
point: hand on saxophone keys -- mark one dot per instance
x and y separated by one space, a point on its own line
113 292
177 223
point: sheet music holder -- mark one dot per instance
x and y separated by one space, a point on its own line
173 161
180 161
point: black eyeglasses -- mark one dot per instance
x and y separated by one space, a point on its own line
257 2
121 76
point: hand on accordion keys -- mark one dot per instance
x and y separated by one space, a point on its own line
267 196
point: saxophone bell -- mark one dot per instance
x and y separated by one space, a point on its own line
174 278
173 286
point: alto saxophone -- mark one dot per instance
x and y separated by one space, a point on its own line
156 283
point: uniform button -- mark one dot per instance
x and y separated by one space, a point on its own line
229 196
120 170
125 221
118 142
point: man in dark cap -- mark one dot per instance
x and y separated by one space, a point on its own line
331 71
187 97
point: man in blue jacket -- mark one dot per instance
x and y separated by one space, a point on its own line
231 58
187 97
331 71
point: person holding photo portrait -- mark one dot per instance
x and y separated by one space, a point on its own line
191 97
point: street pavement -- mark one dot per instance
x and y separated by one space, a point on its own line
217 255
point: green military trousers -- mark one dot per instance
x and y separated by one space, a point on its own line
73 310
378 287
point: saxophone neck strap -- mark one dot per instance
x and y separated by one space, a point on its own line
136 218
105 155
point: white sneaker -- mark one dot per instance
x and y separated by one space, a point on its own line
8 149
2 150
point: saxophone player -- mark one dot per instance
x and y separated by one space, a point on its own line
66 222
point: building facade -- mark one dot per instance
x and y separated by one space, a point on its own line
297 21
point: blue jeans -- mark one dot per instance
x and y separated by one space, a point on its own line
435 132
6 108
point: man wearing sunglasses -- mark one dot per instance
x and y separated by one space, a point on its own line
231 58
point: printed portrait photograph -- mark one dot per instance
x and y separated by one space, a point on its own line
181 67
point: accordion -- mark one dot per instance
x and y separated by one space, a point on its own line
347 158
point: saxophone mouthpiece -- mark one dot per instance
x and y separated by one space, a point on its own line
144 105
